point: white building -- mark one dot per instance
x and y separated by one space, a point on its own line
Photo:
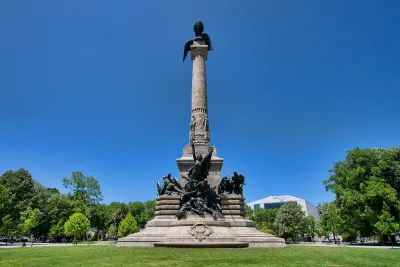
275 202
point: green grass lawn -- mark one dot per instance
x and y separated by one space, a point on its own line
100 256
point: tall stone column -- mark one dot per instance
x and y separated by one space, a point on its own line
199 124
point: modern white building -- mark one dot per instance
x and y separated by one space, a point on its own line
275 202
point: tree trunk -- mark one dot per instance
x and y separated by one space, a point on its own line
393 239
334 237
382 239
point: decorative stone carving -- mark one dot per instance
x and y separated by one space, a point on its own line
200 231
192 129
193 123
207 136
205 123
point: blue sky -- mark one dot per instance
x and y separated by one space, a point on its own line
100 87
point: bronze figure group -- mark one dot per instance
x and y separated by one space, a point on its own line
197 196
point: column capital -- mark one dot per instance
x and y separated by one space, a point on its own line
198 50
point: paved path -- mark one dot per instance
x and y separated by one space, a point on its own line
28 245
109 243
319 244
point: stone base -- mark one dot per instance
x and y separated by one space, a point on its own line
202 245
198 231
229 229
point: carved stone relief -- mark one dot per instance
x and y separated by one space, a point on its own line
200 231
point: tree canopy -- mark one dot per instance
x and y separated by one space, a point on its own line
30 208
77 225
128 226
84 188
288 220
366 185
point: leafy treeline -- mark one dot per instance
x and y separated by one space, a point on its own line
289 221
366 185
28 208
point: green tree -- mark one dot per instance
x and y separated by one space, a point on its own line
260 217
8 228
249 212
30 219
77 226
311 227
364 183
271 216
387 225
112 231
137 209
127 226
85 188
21 191
58 208
307 227
4 202
57 230
288 220
148 214
99 218
80 207
330 219
40 201
4 199
263 219
117 212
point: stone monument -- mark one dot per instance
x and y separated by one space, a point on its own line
199 125
201 209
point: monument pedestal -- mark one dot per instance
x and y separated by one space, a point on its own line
232 229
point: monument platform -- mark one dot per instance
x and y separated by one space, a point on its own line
231 229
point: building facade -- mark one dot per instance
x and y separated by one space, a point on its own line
275 202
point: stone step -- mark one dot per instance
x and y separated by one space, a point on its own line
232 202
168 207
232 212
232 207
166 212
168 202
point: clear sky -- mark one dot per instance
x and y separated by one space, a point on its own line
100 87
